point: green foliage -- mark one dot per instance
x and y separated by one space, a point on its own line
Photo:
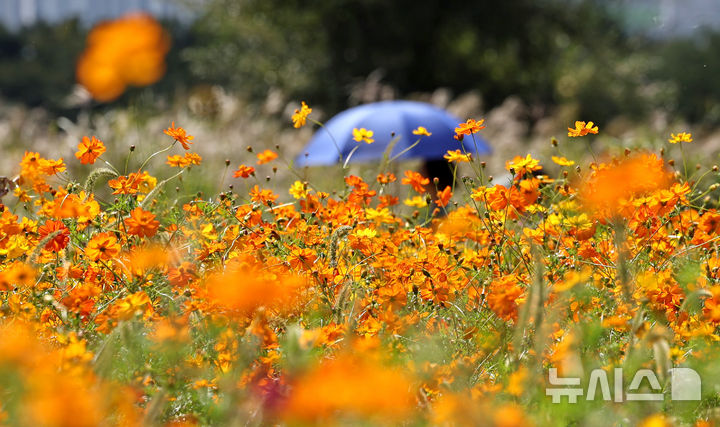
37 65
318 49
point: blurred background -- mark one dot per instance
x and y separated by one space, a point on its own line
237 69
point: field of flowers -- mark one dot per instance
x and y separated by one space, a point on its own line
124 304
126 301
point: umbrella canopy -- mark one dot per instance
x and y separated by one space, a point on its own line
385 119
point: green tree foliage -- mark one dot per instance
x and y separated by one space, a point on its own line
37 65
317 48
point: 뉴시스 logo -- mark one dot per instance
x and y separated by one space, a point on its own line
685 384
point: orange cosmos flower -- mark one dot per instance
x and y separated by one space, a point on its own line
300 116
177 161
262 196
353 385
103 246
127 51
244 289
244 171
126 184
179 135
444 197
505 296
386 178
607 188
582 129
142 223
266 156
416 180
58 242
468 128
89 150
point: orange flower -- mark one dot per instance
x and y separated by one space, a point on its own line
52 167
300 116
179 135
416 180
444 196
177 161
142 223
607 188
354 385
262 196
505 297
127 51
244 171
266 156
711 308
126 184
89 150
244 289
469 127
386 178
103 246
582 129
58 242
193 158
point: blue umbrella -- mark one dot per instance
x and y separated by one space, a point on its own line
385 119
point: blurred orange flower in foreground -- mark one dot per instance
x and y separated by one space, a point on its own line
129 51
351 385
610 186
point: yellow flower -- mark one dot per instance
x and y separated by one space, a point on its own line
457 156
421 131
365 232
363 134
379 215
300 116
523 164
298 190
582 129
681 137
562 161
417 201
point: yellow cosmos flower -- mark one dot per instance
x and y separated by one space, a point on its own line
681 137
562 161
298 190
582 129
457 156
417 201
363 134
421 131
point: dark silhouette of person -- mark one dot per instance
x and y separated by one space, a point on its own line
440 169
